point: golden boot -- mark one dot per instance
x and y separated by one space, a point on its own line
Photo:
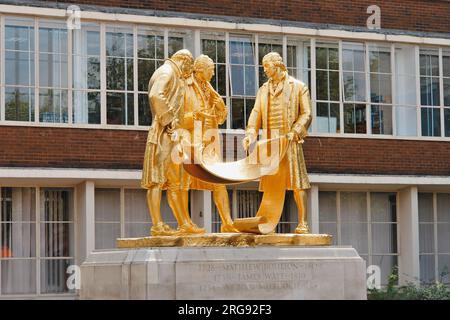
301 199
159 228
222 203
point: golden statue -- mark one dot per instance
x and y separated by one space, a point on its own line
282 105
206 107
166 95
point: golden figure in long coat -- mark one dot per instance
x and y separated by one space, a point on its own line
207 108
282 105
166 95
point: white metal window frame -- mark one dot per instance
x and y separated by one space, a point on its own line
38 258
435 252
370 254
323 35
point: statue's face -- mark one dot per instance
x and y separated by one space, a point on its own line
207 73
270 69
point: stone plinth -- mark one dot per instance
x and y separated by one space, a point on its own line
261 272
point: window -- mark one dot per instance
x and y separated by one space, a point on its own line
150 54
327 87
32 241
213 45
242 80
405 94
19 69
53 78
380 89
86 74
121 212
119 76
365 220
446 86
430 92
434 227
299 59
354 90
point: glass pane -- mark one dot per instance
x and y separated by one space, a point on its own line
52 40
106 235
146 46
17 240
383 207
426 237
447 92
386 264
250 83
54 275
354 86
221 79
18 205
237 80
380 88
136 206
381 119
443 207
353 207
107 205
175 44
237 114
19 37
406 120
384 238
86 72
447 122
327 206
425 207
355 118
427 268
19 68
86 107
56 205
431 122
120 108
53 106
116 77
53 69
443 234
355 235
328 119
446 63
145 72
18 276
119 44
444 268
429 91
19 104
145 115
57 240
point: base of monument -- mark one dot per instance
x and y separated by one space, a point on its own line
227 240
203 273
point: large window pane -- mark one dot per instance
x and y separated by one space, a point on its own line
53 105
427 268
19 104
120 108
86 107
242 59
18 276
406 120
354 118
137 220
354 72
328 117
381 118
19 68
107 218
431 121
54 275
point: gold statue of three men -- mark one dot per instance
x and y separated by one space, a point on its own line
181 97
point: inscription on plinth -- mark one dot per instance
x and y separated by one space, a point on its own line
247 280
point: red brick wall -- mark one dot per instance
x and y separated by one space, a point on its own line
414 15
110 149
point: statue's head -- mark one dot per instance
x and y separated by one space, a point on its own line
273 64
204 67
184 59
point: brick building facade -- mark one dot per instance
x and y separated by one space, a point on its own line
73 124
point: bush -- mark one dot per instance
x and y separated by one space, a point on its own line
437 291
